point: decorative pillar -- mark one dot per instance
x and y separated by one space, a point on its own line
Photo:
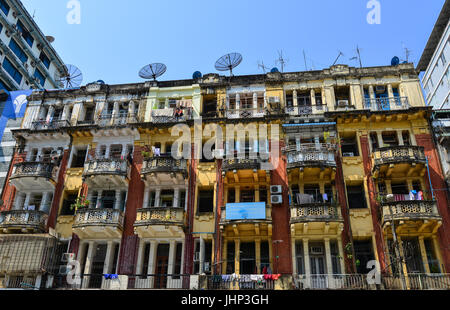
423 252
258 255
341 254
400 138
99 198
152 257
176 197
18 203
306 256
88 264
380 139
157 198
117 201
294 256
183 248
328 256
390 91
238 102
108 257
237 194
27 200
224 256
172 250
255 102
146 198
45 206
51 111
141 251
202 255
294 98
237 255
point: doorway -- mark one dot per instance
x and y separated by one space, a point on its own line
162 262
247 258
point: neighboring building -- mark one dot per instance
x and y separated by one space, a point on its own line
27 61
354 169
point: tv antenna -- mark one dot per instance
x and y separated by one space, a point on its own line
152 71
340 54
263 67
228 62
281 60
71 78
358 51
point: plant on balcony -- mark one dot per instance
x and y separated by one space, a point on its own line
145 154
80 203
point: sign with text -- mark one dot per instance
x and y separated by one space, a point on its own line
246 211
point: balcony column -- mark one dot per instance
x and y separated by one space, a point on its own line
294 98
328 256
306 255
390 91
88 264
298 144
172 250
27 200
224 257
380 139
152 257
402 254
117 202
107 151
238 102
18 202
341 254
176 197
45 206
400 137
115 113
237 255
437 251
202 255
89 198
108 257
146 197
237 194
166 103
257 194
157 198
388 186
258 255
294 255
182 257
255 102
423 252
140 259
371 92
313 98
99 197
51 111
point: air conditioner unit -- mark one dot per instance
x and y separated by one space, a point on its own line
342 103
380 89
67 257
63 270
276 199
276 189
196 256
316 250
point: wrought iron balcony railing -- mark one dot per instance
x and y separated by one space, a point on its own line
398 154
170 115
245 113
387 104
160 216
315 212
34 169
51 125
311 155
409 210
24 219
106 166
163 164
106 120
306 109
98 217
240 162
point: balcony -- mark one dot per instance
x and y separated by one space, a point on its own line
101 171
165 169
98 223
311 155
306 110
111 119
316 218
169 115
386 104
240 162
246 218
399 159
416 215
25 221
245 113
34 176
159 222
52 125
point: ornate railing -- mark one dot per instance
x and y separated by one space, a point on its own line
106 120
23 218
396 154
246 113
161 216
409 210
51 125
315 212
163 164
418 281
306 109
161 116
106 166
331 281
98 217
386 104
238 163
34 169
311 155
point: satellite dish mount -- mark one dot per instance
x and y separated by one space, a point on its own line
228 62
152 71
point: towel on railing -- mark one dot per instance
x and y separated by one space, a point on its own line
304 199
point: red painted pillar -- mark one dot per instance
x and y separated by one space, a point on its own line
9 191
130 242
439 186
59 188
379 238
281 214
189 240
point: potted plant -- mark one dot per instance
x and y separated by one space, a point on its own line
80 203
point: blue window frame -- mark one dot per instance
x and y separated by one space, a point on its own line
4 7
45 60
18 51
12 71
40 77
25 33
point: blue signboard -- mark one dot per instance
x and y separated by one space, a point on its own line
14 107
246 211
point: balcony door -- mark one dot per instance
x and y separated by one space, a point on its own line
162 261
247 258
95 280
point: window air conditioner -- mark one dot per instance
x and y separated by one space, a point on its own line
276 199
275 189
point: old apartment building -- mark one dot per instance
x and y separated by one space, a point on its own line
347 173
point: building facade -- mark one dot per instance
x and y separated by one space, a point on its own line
287 180
28 61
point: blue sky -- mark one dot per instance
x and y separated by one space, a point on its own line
117 38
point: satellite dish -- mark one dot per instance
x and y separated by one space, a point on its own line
228 62
50 39
395 61
196 75
71 78
152 71
274 70
101 82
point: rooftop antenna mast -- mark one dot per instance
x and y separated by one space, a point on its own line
304 58
407 52
358 51
263 67
340 54
281 60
